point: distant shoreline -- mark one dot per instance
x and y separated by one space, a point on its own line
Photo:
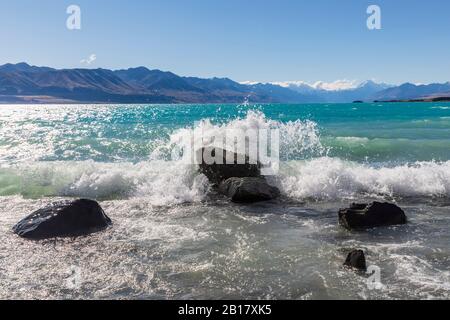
36 100
437 99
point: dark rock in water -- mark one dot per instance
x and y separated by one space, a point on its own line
356 259
248 189
63 219
235 175
376 214
219 170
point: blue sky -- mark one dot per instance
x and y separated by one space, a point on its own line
265 40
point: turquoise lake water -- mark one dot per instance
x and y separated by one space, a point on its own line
174 238
362 132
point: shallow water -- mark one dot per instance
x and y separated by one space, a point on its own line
174 238
217 250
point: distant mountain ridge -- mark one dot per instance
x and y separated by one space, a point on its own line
363 92
22 83
25 83
409 91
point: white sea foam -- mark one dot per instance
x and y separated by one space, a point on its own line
159 182
442 108
163 181
361 140
431 282
332 178
297 138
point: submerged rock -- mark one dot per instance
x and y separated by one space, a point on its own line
356 259
63 219
376 214
221 169
248 189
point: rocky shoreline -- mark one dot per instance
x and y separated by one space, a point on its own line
241 183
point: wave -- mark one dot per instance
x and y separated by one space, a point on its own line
333 179
440 107
310 168
388 149
161 182
298 139
161 178
353 139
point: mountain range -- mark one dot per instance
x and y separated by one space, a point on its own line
23 83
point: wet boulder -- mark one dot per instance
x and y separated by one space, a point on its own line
220 164
376 214
357 260
248 189
63 219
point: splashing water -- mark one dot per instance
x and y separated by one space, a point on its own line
173 239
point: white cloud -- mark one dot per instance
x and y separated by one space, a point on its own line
336 85
89 59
